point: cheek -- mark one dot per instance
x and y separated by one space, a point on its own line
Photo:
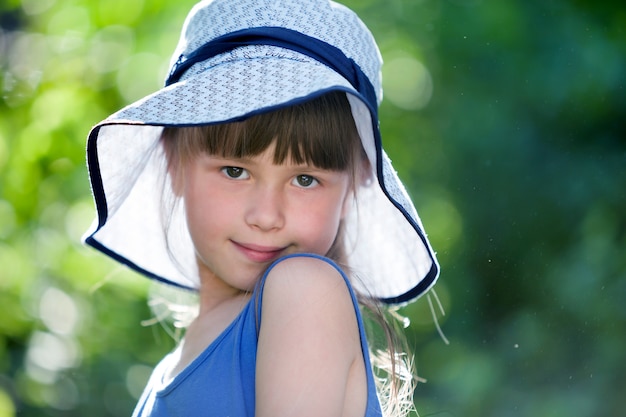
199 225
320 227
204 217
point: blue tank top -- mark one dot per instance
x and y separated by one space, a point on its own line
220 381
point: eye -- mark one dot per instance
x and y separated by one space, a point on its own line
235 172
305 181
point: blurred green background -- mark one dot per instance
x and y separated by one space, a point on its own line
506 119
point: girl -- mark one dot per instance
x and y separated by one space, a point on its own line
256 177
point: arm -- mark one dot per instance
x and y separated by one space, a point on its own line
309 359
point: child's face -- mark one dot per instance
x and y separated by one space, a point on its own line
243 214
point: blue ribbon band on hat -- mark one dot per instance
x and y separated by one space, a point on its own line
319 50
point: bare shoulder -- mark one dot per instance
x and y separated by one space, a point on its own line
305 278
309 344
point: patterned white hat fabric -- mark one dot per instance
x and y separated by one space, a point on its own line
237 58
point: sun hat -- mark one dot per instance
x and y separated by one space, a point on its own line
235 59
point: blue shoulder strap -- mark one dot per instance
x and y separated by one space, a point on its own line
373 404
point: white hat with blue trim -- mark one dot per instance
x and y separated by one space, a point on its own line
235 59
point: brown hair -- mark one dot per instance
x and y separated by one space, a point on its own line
320 132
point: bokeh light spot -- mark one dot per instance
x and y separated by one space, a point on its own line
110 48
445 224
70 20
79 218
407 82
7 408
48 354
33 7
136 378
63 395
58 311
119 11
132 81
44 119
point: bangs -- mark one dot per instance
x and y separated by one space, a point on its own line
320 132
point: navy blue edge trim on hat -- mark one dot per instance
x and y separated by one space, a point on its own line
433 273
101 205
333 58
97 188
91 241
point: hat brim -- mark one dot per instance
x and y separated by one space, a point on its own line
387 248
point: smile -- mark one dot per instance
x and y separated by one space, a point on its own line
258 253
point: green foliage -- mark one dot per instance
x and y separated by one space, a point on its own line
506 120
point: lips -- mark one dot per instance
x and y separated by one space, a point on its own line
258 253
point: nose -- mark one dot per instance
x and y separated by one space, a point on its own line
265 209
